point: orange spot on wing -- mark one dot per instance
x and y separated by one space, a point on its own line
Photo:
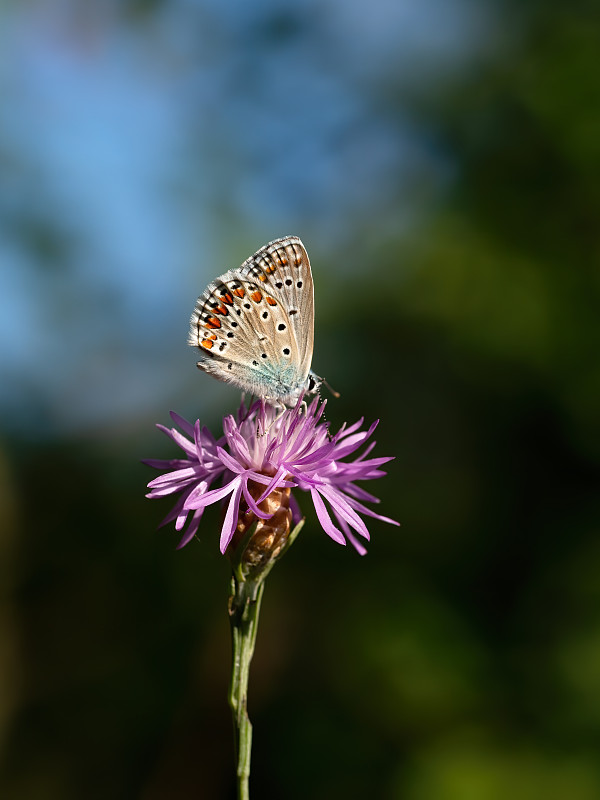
220 310
213 322
207 343
227 298
239 292
271 301
262 277
256 296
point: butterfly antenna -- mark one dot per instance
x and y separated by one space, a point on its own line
324 419
332 390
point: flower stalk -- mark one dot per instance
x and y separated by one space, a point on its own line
247 587
244 608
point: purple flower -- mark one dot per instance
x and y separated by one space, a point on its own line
262 454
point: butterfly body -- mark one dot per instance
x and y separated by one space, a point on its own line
254 325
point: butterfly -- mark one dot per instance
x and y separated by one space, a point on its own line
254 325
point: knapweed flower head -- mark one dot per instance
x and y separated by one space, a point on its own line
262 460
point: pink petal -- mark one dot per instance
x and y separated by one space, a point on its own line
175 476
252 505
173 513
325 519
258 477
231 464
192 529
344 431
185 426
276 479
364 510
316 455
343 509
187 446
231 516
358 545
360 493
199 499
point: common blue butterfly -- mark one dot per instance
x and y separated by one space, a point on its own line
254 325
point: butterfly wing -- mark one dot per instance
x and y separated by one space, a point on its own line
254 326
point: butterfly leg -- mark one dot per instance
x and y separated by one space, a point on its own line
280 409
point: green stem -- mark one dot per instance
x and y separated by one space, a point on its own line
244 608
247 585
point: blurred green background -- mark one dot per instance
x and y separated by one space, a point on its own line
441 162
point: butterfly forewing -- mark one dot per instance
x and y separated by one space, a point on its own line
254 325
284 269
